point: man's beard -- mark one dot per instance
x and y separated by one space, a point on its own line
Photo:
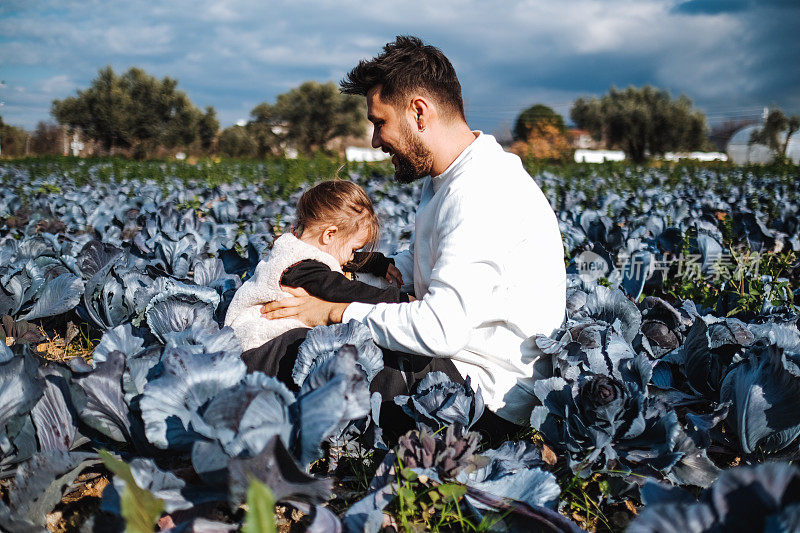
416 160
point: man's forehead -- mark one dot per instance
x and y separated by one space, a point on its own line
375 106
374 97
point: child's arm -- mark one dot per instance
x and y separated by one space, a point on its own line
370 262
320 281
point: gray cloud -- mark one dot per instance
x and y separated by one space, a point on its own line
730 57
728 6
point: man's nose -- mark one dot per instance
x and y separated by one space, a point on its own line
376 139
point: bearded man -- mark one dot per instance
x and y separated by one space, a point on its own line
487 256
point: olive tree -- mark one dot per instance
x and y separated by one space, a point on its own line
536 116
642 121
13 140
311 115
136 110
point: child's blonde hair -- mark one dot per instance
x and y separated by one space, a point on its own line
340 203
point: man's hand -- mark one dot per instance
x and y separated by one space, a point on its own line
393 275
306 308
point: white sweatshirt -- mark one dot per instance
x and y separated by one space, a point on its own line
488 268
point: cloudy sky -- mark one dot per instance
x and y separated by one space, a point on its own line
732 57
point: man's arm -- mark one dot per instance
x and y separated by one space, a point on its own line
441 322
463 291
462 294
460 297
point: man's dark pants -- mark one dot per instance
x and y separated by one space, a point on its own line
400 375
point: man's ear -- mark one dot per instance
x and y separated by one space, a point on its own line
327 234
421 112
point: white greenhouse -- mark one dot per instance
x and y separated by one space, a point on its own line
741 152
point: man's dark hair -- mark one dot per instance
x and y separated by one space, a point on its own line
407 64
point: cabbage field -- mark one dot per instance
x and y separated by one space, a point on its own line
673 402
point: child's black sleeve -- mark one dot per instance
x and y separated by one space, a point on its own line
320 281
373 263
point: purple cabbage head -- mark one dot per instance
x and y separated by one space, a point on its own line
764 497
439 402
599 420
764 390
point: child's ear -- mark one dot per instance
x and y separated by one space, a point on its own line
328 234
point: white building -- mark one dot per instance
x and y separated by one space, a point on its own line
359 154
582 140
697 156
76 145
598 156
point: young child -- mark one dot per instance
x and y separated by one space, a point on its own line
334 219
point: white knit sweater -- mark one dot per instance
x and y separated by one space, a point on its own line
244 313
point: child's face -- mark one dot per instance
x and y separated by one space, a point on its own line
341 246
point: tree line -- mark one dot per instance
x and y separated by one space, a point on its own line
642 122
141 116
138 115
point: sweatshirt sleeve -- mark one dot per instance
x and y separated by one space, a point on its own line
322 282
465 288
